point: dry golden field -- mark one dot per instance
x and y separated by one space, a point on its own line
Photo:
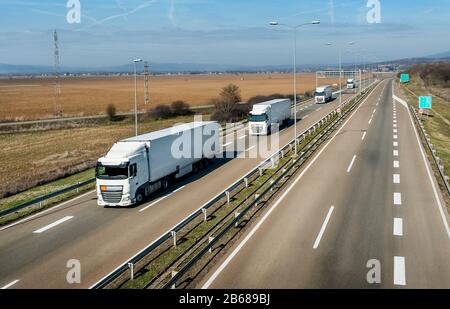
32 158
33 98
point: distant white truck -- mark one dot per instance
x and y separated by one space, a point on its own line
324 94
136 167
266 114
351 84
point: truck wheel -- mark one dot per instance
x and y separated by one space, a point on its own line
139 197
165 183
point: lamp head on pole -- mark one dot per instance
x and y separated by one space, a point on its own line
315 22
274 23
137 60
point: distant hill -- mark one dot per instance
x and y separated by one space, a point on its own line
443 55
9 69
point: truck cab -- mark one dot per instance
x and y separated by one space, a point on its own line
323 94
259 120
351 84
121 173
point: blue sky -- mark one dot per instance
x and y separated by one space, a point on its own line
112 32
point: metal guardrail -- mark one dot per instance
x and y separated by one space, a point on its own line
302 158
116 273
43 198
79 185
436 159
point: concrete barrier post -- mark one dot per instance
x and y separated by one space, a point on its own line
131 267
174 236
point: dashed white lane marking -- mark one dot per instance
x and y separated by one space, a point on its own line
227 144
395 153
154 203
363 136
397 198
305 117
242 137
399 270
351 164
250 148
395 131
395 144
322 229
398 227
396 178
395 125
180 188
395 136
9 285
370 121
396 164
395 121
52 225
161 198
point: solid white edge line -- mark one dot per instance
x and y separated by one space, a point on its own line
399 270
9 285
351 164
45 211
322 229
436 195
52 225
278 201
398 227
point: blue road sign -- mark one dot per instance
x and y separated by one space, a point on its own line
426 102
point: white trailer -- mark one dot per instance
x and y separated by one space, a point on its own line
267 114
324 94
136 167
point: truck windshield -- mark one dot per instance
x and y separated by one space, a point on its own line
320 94
111 172
257 118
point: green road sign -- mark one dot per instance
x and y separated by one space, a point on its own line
425 102
404 78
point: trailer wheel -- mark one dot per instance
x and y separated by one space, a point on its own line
139 197
165 183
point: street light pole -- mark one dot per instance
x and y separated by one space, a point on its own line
294 30
135 96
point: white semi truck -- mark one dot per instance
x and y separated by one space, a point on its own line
267 114
351 84
324 94
136 167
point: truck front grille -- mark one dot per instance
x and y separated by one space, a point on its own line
113 197
256 129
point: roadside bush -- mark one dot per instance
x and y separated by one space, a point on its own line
160 112
180 108
111 112
433 74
